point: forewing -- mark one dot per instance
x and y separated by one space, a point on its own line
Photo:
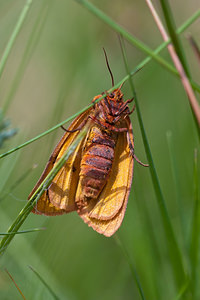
105 215
63 187
55 200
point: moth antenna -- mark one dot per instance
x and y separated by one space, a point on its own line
112 78
121 85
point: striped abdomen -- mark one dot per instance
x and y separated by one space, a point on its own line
96 163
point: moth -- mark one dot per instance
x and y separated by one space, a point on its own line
96 180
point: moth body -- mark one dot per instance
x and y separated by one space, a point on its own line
96 164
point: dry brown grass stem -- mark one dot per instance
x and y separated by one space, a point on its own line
194 47
191 96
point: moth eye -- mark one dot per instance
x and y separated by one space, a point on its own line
111 95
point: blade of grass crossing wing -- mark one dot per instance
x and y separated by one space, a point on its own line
43 186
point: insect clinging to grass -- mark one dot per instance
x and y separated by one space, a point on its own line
96 179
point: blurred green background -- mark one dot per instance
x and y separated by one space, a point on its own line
55 69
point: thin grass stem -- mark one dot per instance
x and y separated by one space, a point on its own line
195 47
16 183
26 55
16 285
38 193
174 168
173 248
173 35
195 234
182 291
23 231
14 35
133 40
53 294
58 125
132 267
181 29
136 69
185 80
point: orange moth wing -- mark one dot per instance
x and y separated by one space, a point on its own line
96 179
106 215
59 197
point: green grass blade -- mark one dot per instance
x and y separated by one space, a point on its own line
172 32
195 47
45 283
187 23
22 232
6 168
29 49
173 248
56 126
174 168
40 135
134 41
16 183
178 57
130 263
29 254
36 196
195 234
181 29
182 291
14 34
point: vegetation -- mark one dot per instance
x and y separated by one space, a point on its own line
51 66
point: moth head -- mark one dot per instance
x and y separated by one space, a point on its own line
115 95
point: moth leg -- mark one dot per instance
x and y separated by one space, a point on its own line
107 126
77 129
124 107
130 144
132 110
132 151
139 161
95 98
127 114
118 129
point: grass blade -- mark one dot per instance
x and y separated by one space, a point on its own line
195 234
174 169
23 231
172 33
45 283
132 268
15 284
134 41
26 55
195 47
5 193
13 37
182 28
173 248
33 200
6 168
56 126
182 291
185 81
